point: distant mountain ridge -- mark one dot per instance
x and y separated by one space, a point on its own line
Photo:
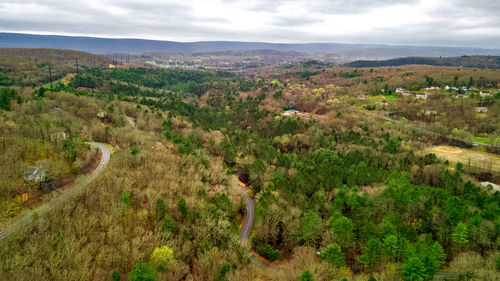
108 45
492 62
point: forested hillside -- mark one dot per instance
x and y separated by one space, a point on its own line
338 194
492 62
29 67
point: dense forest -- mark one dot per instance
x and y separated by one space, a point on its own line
492 62
337 194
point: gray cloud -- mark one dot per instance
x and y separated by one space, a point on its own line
423 22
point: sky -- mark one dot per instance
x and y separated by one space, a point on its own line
474 23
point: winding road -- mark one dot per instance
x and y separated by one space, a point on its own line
247 228
80 184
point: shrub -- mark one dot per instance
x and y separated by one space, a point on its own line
268 252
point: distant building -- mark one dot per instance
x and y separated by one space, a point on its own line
421 96
485 94
402 92
481 109
158 146
58 137
432 88
384 103
101 115
362 97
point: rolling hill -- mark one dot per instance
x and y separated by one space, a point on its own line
30 66
108 45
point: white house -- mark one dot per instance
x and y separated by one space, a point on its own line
421 96
481 109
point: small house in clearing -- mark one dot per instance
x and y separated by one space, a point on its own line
362 97
481 109
384 103
484 94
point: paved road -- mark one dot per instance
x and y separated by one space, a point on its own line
247 228
44 209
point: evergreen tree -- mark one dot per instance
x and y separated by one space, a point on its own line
161 210
115 276
182 207
413 270
372 253
310 224
142 272
460 234
333 254
306 276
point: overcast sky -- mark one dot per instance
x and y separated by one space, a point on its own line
407 22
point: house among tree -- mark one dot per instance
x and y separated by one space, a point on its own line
481 109
384 103
421 96
34 174
485 94
362 97
58 137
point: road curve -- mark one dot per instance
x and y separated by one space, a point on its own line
247 228
44 209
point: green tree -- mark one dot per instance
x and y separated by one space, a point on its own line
142 272
161 210
343 231
414 270
391 246
310 224
182 207
460 234
125 198
161 257
115 276
268 252
169 224
333 254
372 253
134 151
306 276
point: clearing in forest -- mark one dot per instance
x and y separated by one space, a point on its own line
470 158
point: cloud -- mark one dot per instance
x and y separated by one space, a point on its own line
423 22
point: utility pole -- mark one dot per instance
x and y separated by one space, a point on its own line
76 63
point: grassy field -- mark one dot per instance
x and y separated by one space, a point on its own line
485 161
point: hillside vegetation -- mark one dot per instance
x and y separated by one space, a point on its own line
492 62
30 67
